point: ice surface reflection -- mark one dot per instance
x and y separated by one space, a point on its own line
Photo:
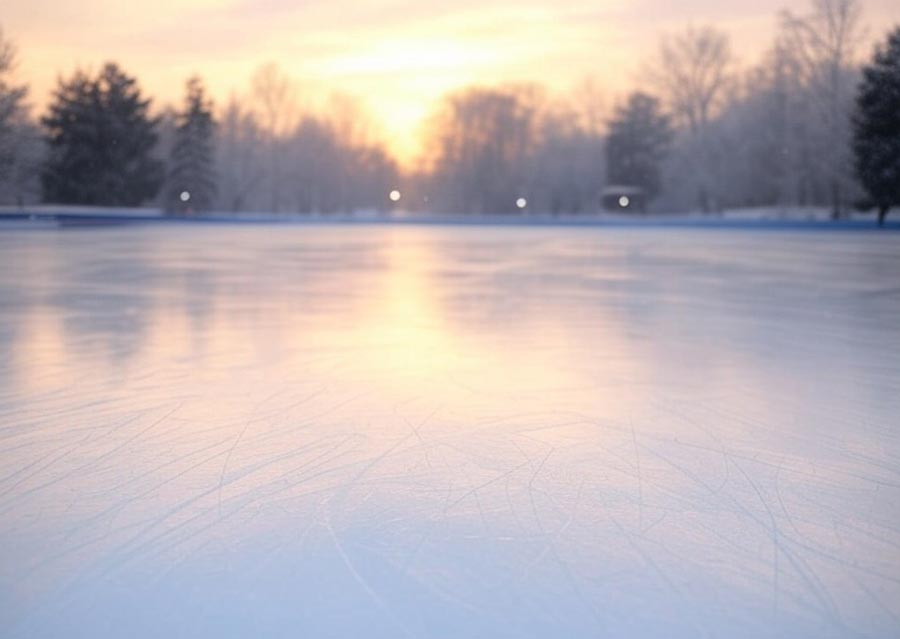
449 432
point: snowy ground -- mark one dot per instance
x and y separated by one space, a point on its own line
386 431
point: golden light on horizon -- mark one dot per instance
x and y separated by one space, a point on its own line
399 59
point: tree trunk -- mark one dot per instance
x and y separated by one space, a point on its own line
835 200
703 199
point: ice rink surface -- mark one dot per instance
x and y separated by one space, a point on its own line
372 431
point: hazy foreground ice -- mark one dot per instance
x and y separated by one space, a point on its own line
222 431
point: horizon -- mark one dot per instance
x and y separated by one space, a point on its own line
398 59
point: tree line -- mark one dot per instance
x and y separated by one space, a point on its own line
805 126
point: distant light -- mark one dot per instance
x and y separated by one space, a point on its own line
185 196
395 195
624 201
521 202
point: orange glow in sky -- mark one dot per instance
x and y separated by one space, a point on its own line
398 56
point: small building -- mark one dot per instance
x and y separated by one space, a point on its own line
623 198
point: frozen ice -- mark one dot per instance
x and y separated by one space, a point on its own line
383 431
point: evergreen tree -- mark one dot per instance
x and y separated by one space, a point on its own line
639 135
191 183
13 111
100 141
876 139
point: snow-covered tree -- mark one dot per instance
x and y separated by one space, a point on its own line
777 134
191 181
100 141
823 42
693 71
639 135
876 140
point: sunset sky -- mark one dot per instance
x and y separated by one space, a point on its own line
399 56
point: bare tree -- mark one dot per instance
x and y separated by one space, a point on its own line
481 141
694 74
694 70
567 172
824 41
275 156
773 136
502 149
332 170
241 165
350 130
275 101
591 107
350 121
